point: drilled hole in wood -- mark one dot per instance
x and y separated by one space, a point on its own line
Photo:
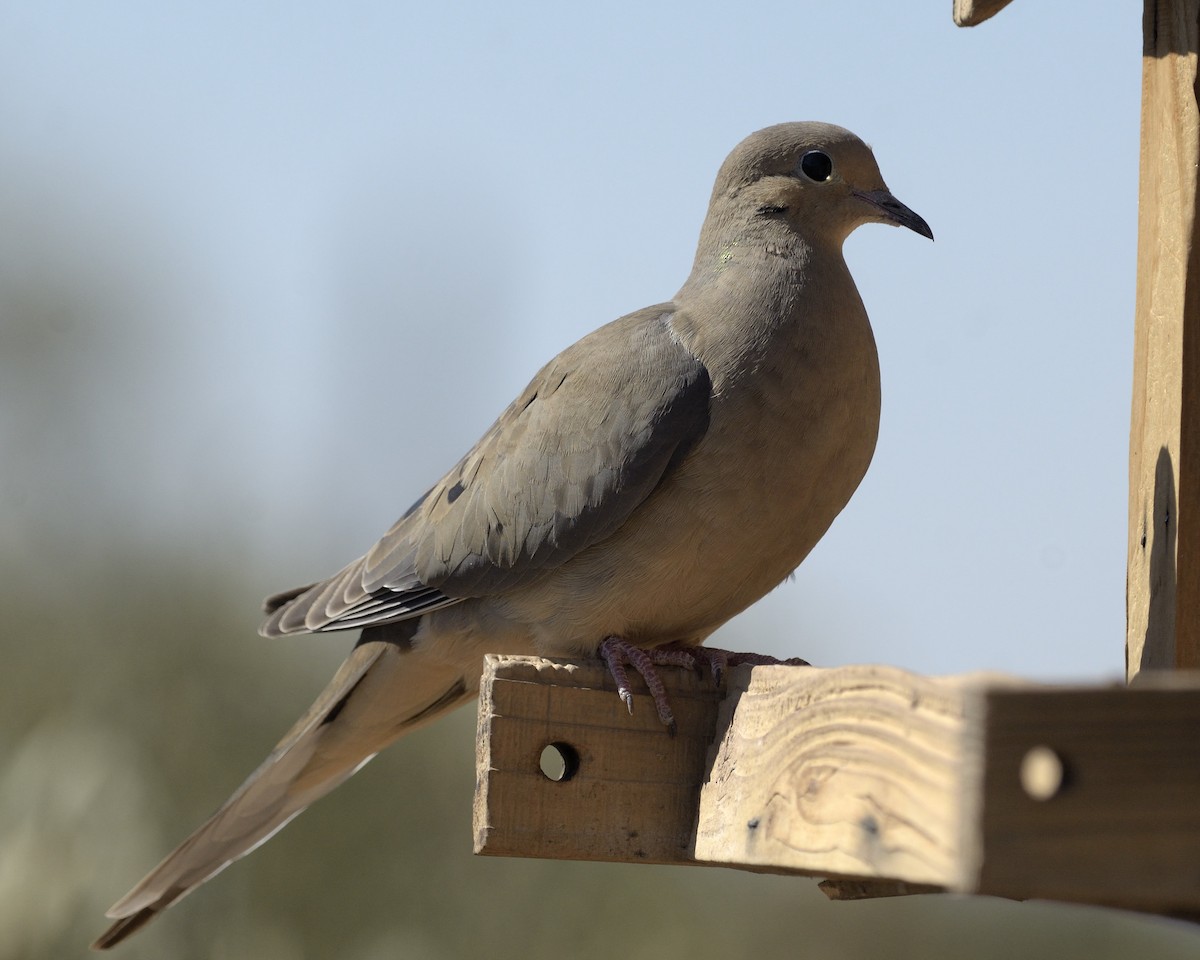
1042 773
559 762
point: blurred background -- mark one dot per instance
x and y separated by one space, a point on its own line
266 270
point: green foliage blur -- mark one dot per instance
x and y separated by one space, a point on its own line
136 697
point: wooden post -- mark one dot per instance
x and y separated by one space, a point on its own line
1163 586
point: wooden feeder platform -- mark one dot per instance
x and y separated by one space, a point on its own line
884 781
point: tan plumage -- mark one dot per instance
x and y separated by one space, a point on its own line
653 480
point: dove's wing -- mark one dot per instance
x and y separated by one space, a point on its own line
591 437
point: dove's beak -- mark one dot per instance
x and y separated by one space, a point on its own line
894 212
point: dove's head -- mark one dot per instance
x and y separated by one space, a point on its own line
815 179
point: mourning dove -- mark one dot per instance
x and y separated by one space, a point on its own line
654 479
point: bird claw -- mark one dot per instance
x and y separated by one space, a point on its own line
618 653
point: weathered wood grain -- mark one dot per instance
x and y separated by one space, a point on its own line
856 772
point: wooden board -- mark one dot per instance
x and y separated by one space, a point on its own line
857 772
1123 828
1163 586
884 781
634 794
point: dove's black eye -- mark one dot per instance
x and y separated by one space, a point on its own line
816 166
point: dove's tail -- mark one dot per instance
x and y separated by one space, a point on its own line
383 690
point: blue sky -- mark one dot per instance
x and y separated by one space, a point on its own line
346 235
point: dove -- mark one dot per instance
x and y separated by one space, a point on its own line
653 480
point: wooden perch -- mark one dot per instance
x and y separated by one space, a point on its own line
884 781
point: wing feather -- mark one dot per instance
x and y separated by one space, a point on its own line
590 438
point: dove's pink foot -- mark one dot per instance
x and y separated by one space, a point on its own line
619 653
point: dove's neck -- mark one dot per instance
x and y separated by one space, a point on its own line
755 299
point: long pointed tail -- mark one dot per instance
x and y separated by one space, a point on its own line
382 691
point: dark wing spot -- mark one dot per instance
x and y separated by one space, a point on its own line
455 492
411 510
